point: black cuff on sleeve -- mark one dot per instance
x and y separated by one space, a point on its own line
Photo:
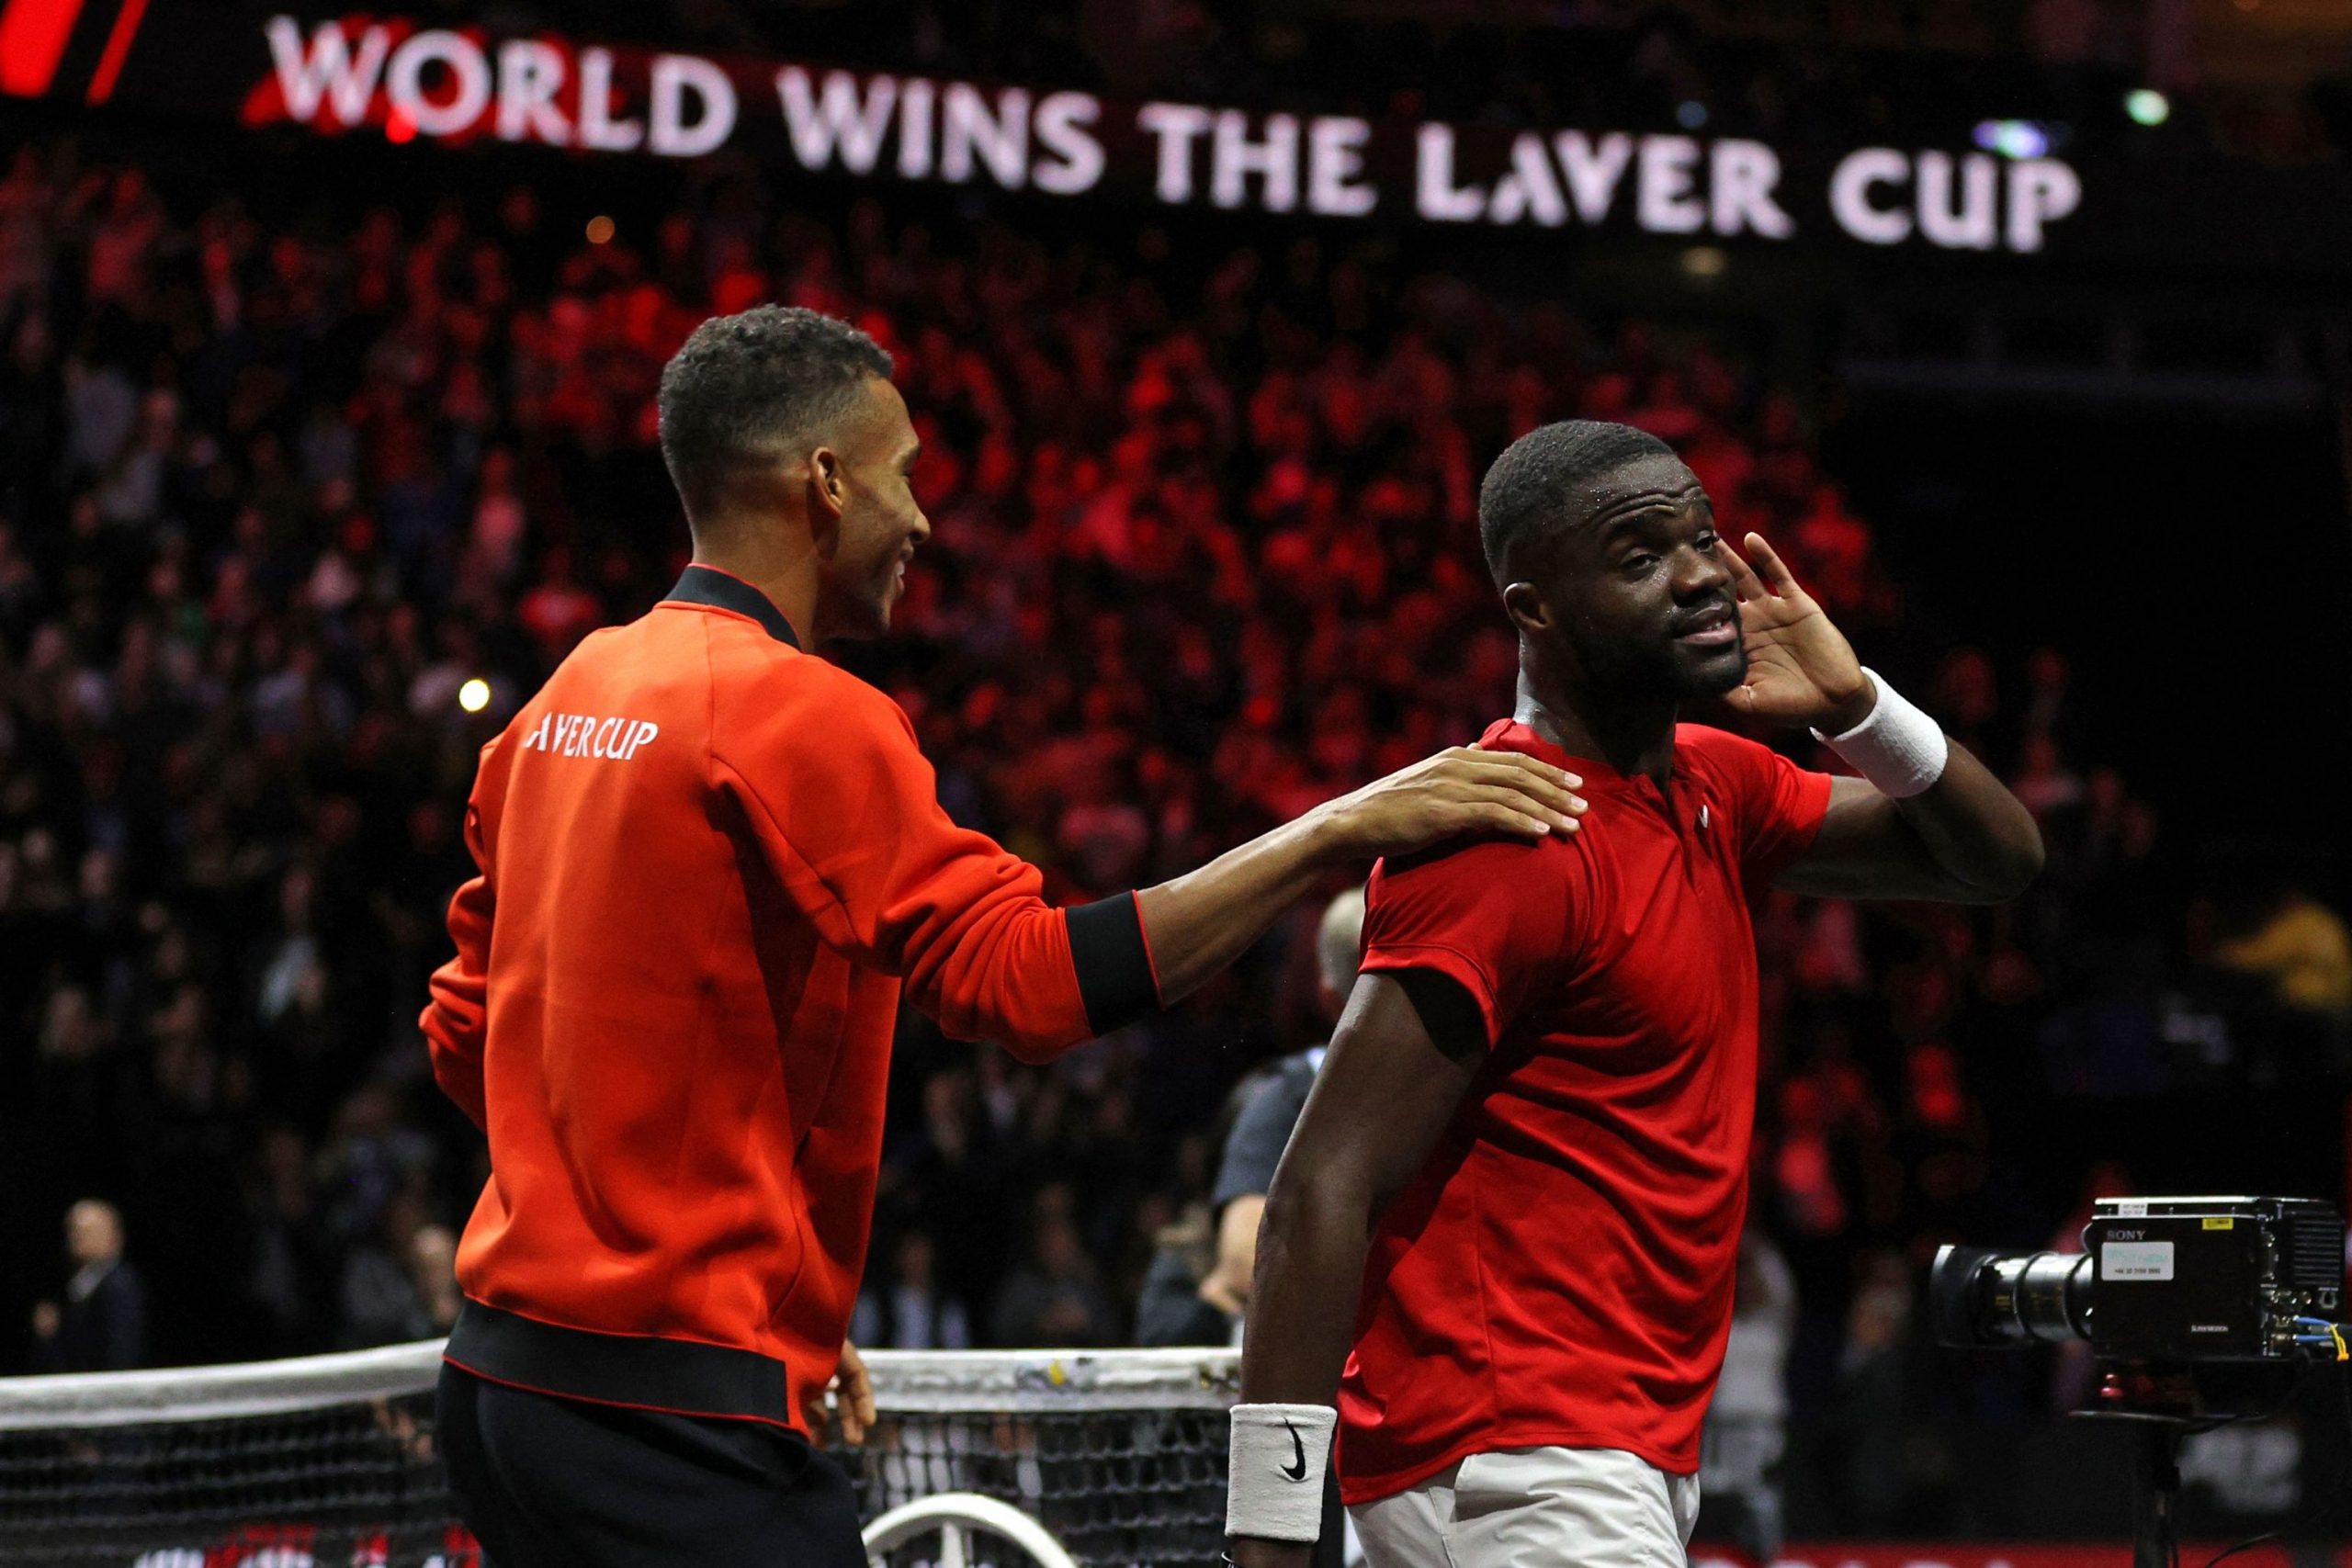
1115 977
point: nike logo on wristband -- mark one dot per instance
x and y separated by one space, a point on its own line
1298 1451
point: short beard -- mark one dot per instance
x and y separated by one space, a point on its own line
1707 684
1655 671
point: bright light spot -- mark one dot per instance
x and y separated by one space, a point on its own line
2147 106
398 127
474 695
600 230
1705 264
1691 114
2012 138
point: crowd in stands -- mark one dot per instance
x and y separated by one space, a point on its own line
273 493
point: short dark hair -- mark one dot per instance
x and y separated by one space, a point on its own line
1520 502
743 386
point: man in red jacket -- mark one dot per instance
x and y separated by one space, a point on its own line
710 861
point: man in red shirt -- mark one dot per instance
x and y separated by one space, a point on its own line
1505 1234
710 864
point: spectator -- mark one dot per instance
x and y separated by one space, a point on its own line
911 1312
2302 949
386 1287
433 1275
1746 1430
1879 1473
946 1177
1052 1298
102 1327
1220 1291
292 1262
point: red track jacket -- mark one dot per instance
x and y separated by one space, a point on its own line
708 863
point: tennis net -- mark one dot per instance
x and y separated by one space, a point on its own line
329 1461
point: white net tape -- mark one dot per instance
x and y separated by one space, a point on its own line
925 1382
1118 1454
91 1400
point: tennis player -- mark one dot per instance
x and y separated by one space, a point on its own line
710 862
1504 1236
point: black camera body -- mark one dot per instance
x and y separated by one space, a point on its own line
2169 1280
2210 1279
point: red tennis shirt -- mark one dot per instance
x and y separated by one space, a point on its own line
710 862
1560 1270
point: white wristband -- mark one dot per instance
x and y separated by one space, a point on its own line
1897 748
1275 1481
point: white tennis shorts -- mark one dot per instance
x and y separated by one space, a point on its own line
1535 1508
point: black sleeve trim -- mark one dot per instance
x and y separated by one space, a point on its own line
1115 977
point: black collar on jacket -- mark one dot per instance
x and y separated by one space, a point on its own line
701 584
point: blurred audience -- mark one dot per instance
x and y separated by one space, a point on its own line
1053 1296
906 1310
1198 1290
294 512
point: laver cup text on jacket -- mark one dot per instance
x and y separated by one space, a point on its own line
588 735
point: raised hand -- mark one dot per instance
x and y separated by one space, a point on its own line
1801 669
1463 790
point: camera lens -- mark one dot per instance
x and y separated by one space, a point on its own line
1982 1298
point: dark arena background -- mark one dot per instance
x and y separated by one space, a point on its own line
328 345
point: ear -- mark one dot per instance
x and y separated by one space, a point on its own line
1527 609
827 496
827 491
